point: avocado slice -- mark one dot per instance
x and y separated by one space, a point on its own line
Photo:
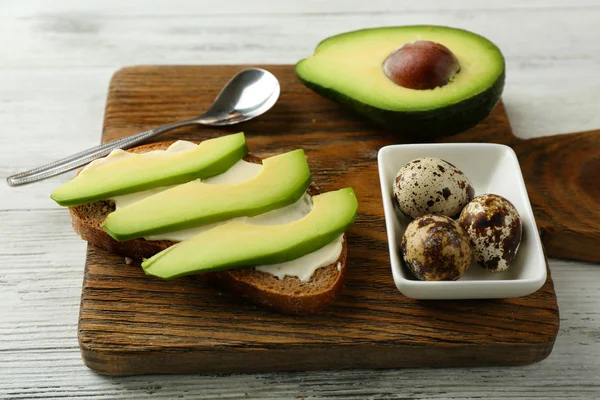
139 172
282 181
389 75
237 244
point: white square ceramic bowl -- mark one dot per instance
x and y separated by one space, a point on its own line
491 168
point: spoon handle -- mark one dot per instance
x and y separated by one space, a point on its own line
89 155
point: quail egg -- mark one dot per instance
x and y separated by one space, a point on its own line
435 248
494 229
431 186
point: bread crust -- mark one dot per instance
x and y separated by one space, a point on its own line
288 295
288 300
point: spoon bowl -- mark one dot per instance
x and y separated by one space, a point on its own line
247 95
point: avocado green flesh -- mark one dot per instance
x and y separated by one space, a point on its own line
237 244
348 68
444 121
282 181
138 172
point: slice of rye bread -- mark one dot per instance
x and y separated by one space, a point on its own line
288 295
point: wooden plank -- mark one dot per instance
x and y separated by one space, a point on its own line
32 8
130 323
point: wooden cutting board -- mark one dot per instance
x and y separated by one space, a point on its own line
133 324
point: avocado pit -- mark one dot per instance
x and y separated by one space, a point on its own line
421 65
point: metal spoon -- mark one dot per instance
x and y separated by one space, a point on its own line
248 94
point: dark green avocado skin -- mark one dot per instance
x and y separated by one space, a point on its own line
423 125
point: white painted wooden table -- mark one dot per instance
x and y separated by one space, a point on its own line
56 58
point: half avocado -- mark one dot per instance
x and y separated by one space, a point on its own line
237 244
132 172
282 180
426 81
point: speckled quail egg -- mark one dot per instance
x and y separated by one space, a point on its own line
435 248
494 228
431 186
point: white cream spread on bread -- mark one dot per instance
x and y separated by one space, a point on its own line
117 155
179 146
303 268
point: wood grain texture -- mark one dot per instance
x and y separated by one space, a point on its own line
562 174
133 324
